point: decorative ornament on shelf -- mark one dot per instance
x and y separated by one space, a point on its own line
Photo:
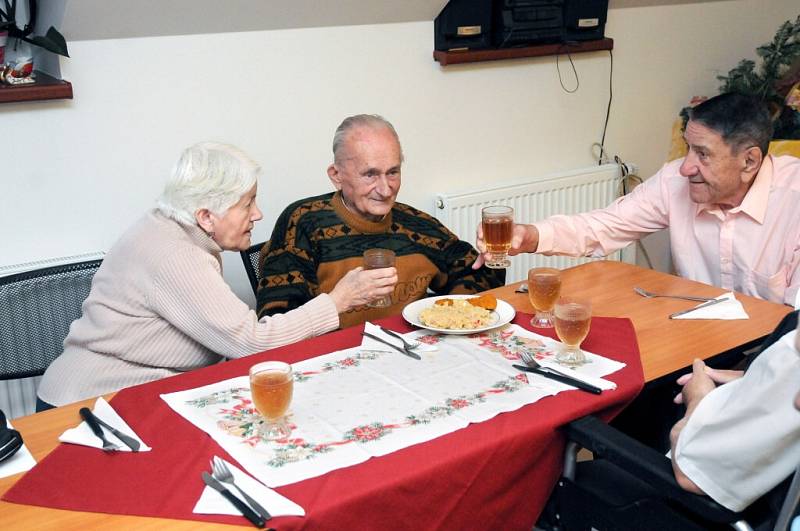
776 81
20 69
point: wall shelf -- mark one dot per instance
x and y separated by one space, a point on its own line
475 56
45 88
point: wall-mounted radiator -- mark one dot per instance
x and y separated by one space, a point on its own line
565 193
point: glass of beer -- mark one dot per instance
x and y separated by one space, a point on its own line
544 287
498 226
377 259
573 316
271 386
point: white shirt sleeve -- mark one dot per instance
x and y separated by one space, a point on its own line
744 437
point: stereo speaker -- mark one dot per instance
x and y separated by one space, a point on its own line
463 25
585 20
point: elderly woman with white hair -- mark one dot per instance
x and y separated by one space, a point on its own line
159 305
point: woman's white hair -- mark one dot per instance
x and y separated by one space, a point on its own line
207 175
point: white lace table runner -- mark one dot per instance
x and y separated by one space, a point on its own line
361 402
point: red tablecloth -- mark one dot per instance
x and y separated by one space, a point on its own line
491 475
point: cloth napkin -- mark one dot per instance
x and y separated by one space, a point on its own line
377 345
728 310
212 502
83 434
21 461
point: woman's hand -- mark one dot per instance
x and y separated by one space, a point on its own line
359 287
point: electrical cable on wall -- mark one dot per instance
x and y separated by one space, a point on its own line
574 71
608 108
627 183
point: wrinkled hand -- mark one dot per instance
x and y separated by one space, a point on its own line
718 376
525 239
698 386
359 287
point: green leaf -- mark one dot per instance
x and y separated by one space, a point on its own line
53 41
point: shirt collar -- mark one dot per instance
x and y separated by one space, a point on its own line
358 222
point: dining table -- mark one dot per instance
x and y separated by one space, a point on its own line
495 474
667 346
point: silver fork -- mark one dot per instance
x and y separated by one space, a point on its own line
222 473
553 374
650 295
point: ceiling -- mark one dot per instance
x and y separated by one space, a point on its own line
116 19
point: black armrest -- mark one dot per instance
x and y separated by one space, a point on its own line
645 463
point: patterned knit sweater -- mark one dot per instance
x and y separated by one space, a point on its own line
316 241
159 306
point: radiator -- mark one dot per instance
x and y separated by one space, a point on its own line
18 397
535 199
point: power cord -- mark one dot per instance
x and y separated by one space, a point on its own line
627 183
608 108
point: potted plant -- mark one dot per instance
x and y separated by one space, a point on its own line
52 41
775 80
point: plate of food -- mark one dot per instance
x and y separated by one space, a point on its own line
459 314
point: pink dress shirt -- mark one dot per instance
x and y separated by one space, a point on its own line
753 248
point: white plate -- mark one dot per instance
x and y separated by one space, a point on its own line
504 312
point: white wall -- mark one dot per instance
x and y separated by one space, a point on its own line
74 174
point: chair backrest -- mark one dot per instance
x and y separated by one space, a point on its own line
36 310
252 263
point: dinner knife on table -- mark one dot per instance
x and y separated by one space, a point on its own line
563 378
398 349
243 508
129 441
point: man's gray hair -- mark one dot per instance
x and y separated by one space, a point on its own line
360 120
207 175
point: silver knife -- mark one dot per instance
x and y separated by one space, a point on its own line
705 304
398 349
129 441
243 508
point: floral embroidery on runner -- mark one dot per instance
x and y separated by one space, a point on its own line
508 345
241 419
343 364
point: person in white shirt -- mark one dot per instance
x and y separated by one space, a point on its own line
739 440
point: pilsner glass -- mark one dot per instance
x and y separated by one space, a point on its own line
498 227
378 259
573 317
271 386
544 287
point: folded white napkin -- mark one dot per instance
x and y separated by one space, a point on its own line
21 461
83 434
212 502
730 309
602 383
377 345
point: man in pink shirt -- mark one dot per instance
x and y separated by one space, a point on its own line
733 211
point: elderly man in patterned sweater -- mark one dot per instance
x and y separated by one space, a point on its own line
317 240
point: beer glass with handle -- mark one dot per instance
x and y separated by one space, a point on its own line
544 287
271 387
573 317
497 222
